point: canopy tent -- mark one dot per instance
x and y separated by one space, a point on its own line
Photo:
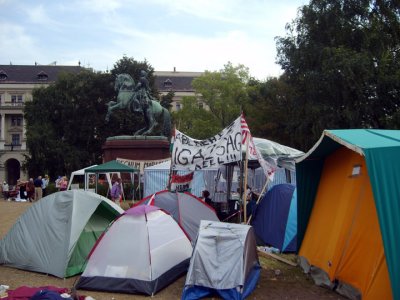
77 173
349 211
156 178
280 155
110 167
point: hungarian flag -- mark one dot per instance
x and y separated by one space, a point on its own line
181 183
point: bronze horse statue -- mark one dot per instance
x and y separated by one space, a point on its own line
139 101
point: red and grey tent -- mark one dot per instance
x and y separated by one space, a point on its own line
185 208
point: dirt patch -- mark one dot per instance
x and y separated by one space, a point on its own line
287 283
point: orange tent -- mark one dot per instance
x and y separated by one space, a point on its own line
342 246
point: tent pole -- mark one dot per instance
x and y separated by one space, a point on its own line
246 164
259 198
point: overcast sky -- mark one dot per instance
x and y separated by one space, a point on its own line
189 35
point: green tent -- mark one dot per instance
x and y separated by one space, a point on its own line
112 166
381 152
56 234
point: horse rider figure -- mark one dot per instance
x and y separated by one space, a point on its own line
142 90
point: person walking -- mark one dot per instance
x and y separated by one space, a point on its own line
38 188
45 183
6 190
116 191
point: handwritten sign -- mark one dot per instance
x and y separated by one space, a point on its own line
181 183
141 164
224 147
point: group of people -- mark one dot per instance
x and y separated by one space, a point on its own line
251 201
31 190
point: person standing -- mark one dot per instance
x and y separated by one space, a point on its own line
116 191
63 183
22 190
45 183
38 188
6 190
206 197
30 190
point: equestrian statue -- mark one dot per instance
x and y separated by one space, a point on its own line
137 99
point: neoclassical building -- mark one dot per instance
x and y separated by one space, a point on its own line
178 82
16 85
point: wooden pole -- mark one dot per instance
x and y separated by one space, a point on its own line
246 164
170 166
259 197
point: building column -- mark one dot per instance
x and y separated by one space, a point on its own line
23 137
3 129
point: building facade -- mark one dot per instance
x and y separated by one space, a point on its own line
16 85
178 82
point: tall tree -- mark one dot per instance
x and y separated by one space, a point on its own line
341 59
74 129
224 92
270 111
194 120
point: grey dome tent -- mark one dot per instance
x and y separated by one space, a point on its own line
56 234
143 251
224 262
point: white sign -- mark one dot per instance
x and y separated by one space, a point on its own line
141 164
225 147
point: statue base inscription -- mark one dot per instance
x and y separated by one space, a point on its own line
136 148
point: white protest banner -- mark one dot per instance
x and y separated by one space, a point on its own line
141 164
225 147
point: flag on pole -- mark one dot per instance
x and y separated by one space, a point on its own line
254 152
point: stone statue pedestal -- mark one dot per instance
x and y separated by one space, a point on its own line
136 148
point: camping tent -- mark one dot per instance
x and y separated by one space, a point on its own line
185 208
156 178
112 166
142 252
275 218
277 154
55 235
349 211
77 173
224 262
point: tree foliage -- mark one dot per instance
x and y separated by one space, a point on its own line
194 120
224 92
65 123
341 60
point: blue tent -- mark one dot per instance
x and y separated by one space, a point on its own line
275 218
